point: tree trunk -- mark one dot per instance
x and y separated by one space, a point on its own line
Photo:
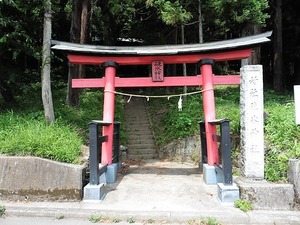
75 34
6 92
200 22
278 81
109 25
254 58
46 81
84 31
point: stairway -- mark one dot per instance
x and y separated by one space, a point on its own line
137 125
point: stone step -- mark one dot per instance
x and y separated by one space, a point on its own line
138 150
134 120
140 146
136 136
141 141
145 156
139 124
137 121
134 131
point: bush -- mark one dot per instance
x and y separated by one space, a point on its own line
243 205
2 210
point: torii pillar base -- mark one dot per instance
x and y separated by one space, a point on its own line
228 193
210 175
94 192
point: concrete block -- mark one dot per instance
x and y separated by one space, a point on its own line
102 178
38 179
93 192
294 176
266 195
210 176
229 193
111 173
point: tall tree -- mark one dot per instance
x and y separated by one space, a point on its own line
79 33
46 60
277 48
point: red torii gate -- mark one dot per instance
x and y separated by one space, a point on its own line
203 54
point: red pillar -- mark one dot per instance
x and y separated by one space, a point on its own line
209 110
108 111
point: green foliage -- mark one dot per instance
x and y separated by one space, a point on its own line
231 17
2 210
204 221
150 220
95 218
22 135
243 205
59 216
24 132
172 13
170 124
130 220
116 220
282 135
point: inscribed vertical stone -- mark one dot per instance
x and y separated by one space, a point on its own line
252 131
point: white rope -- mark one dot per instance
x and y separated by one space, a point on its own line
156 96
180 104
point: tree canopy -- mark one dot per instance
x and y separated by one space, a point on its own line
136 22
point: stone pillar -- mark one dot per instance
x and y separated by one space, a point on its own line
252 124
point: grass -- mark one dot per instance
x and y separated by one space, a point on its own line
204 221
22 135
24 131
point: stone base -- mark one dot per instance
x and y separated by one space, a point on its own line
266 195
294 177
93 192
229 193
210 175
111 173
201 167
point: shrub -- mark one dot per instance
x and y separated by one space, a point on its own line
243 205
2 210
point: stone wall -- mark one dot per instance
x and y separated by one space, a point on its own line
182 150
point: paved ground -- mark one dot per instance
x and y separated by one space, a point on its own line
164 192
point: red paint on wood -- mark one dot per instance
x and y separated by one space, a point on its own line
157 71
108 114
179 81
209 113
167 59
226 79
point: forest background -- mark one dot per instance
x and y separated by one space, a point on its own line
26 77
142 22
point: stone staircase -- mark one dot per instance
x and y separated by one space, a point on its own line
138 128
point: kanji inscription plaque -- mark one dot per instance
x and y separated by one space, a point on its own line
158 71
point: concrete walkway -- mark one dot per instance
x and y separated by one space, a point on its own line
152 190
